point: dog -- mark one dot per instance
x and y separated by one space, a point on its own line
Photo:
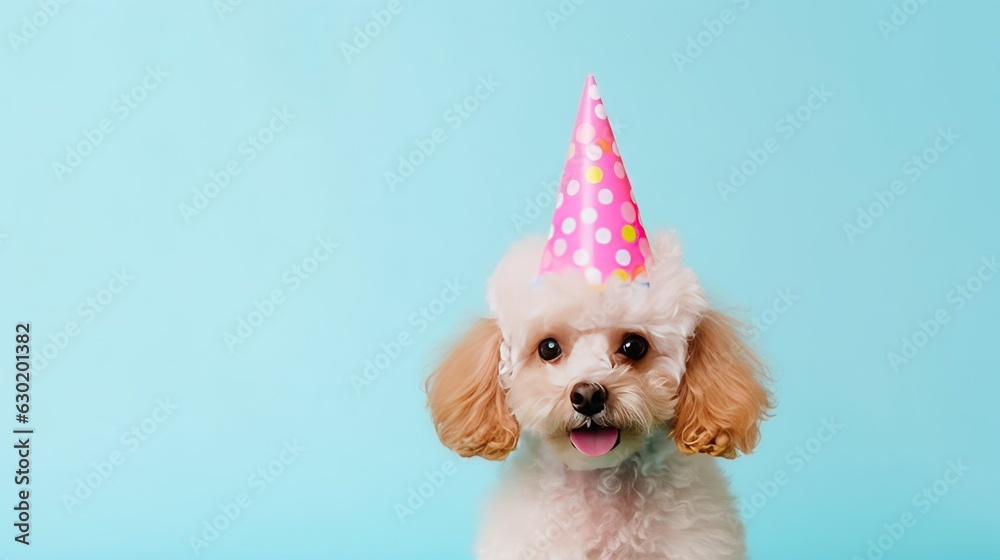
617 396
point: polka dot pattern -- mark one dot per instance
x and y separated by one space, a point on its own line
594 174
593 152
559 247
628 233
628 212
596 226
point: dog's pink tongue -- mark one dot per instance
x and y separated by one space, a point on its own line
595 441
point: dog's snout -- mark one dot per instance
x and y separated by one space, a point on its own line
588 398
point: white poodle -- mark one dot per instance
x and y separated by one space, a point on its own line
617 399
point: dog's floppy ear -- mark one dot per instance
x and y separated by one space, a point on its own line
721 399
467 403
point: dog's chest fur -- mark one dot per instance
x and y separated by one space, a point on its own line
656 504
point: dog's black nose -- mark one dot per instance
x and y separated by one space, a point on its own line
588 398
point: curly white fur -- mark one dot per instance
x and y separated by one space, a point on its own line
657 503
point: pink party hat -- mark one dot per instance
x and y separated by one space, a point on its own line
596 228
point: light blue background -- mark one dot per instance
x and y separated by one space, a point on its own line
680 130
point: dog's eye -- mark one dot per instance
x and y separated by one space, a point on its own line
634 347
549 349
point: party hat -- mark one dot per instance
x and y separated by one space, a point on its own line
596 228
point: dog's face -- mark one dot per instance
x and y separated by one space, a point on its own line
592 393
593 372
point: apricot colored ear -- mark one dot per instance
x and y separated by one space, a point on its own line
467 402
722 398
